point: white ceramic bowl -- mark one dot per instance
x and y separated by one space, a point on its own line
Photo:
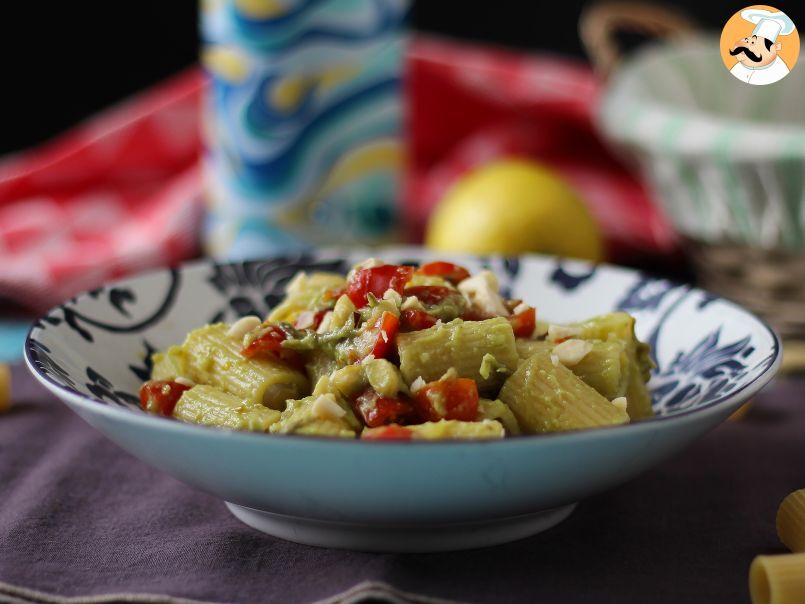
92 352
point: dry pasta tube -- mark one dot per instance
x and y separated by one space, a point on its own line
791 522
741 412
777 579
5 387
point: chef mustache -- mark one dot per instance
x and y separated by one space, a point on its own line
752 56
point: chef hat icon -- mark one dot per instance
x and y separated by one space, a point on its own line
769 25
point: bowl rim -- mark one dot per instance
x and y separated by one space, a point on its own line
94 405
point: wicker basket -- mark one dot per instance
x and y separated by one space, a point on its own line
771 282
725 160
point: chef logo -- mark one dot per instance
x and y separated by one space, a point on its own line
760 45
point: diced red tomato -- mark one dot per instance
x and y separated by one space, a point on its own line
473 314
375 410
387 327
447 399
446 270
523 323
414 320
376 338
161 396
376 281
431 294
268 344
392 432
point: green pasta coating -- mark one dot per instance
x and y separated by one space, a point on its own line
619 327
211 406
606 367
548 397
460 345
211 357
300 417
498 410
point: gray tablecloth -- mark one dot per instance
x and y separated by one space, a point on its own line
80 517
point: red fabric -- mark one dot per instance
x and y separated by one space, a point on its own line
469 105
118 193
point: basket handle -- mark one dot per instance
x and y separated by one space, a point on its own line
600 22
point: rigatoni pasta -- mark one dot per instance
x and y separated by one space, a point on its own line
619 327
406 353
791 521
777 579
210 356
460 345
546 396
211 406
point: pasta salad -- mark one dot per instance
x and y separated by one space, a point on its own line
403 353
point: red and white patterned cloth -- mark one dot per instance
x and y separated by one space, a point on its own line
122 192
118 193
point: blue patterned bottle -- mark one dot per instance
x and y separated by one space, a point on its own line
302 123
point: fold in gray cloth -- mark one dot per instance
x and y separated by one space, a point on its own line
80 518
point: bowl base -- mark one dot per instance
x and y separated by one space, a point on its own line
400 538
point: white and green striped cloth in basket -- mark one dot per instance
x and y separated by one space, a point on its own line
726 159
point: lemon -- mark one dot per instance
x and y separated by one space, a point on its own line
513 206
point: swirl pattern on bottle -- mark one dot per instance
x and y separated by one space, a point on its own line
302 122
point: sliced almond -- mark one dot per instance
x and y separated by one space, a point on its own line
326 407
558 333
481 292
242 326
571 352
305 319
417 384
325 322
522 307
620 402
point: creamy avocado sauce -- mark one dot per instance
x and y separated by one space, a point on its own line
452 307
308 340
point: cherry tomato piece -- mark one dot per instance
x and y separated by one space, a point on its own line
268 343
161 396
447 399
473 314
392 432
431 295
453 273
376 339
375 410
414 320
387 327
523 323
376 281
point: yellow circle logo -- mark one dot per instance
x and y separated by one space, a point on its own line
760 45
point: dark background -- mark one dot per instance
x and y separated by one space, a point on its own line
62 61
